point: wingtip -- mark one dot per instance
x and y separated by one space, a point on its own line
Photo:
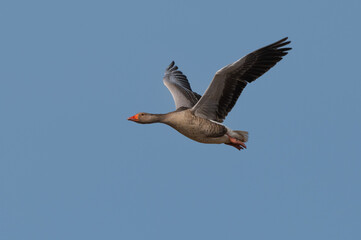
280 43
170 66
281 40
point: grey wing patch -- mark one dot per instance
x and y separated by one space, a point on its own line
217 106
178 85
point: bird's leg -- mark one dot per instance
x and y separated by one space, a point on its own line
239 147
236 143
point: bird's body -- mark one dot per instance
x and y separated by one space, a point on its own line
196 128
200 117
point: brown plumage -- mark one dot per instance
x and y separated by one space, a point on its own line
199 117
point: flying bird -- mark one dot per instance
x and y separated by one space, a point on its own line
200 117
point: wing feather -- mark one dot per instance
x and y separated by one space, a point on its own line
229 82
178 85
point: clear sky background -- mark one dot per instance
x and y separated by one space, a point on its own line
73 167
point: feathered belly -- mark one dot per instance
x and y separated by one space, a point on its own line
210 133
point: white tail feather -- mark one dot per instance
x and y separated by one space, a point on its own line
240 135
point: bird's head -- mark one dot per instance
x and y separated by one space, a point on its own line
142 118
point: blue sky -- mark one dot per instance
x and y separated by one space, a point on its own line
73 167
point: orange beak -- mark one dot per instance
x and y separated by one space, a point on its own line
134 118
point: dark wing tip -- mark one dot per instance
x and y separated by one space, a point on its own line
282 40
171 67
285 49
265 58
279 43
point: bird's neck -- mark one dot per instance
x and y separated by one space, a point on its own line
156 118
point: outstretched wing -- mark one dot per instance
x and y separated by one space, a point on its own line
178 85
228 83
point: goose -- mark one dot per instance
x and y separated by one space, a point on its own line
200 117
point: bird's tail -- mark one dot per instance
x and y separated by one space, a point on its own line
240 135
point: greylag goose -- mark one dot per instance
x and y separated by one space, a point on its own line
200 117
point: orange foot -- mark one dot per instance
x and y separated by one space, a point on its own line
236 143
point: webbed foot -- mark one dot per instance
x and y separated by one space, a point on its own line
236 143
